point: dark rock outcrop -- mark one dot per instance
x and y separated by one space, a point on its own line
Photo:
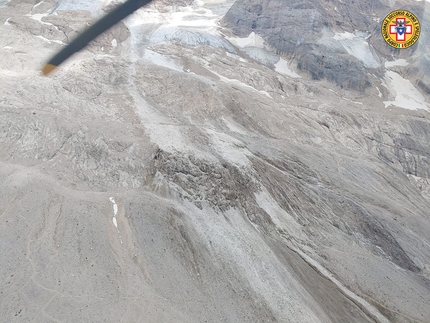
299 31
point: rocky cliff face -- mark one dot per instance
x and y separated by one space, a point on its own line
304 32
180 170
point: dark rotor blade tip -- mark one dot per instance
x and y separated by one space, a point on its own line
99 27
48 69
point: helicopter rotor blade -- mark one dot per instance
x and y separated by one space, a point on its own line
112 18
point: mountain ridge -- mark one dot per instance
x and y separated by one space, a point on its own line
158 176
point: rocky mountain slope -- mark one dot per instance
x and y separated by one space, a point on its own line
194 165
335 40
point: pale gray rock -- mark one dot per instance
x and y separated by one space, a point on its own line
190 37
299 31
178 182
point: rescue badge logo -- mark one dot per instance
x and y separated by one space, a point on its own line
401 29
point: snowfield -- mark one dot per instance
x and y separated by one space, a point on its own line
405 95
357 46
173 171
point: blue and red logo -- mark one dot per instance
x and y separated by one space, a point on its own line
401 29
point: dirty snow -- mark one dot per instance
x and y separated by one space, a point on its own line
261 55
282 67
357 46
253 40
397 62
190 16
191 25
95 7
189 36
405 95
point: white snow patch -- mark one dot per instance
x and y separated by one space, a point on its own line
406 95
115 206
282 67
357 46
343 36
95 7
7 23
114 43
397 62
38 4
7 47
416 178
192 25
50 41
379 92
114 220
253 40
38 17
190 16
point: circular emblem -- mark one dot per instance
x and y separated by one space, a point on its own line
401 29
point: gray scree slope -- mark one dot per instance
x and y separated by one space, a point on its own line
182 180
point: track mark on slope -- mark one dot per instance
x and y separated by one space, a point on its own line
372 310
114 218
